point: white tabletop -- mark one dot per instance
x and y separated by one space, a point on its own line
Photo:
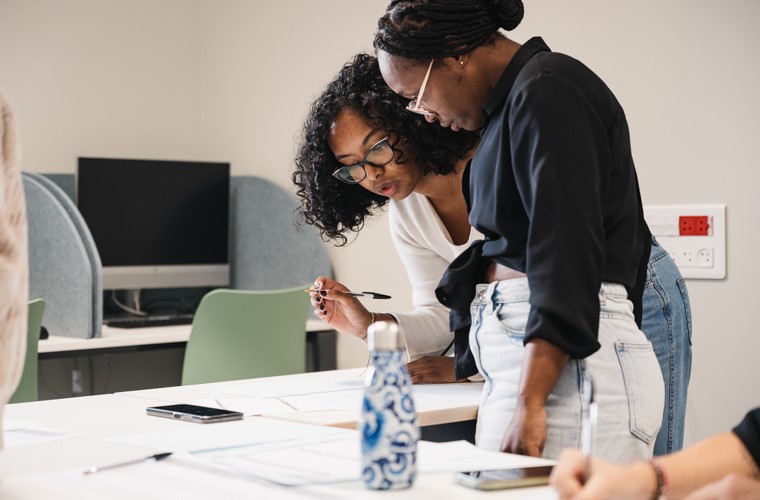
435 403
128 337
99 430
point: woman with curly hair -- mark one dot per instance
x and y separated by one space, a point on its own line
361 151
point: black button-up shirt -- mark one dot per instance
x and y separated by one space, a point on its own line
554 190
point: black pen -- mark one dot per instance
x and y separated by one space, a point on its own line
158 456
373 295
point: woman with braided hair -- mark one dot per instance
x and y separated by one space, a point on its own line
554 290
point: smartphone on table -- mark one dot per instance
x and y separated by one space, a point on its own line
500 479
194 413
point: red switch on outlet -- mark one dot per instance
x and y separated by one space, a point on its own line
694 225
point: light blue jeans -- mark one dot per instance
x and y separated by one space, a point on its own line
666 321
628 385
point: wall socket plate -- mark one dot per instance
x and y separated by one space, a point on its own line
702 255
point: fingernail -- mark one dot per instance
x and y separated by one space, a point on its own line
319 298
322 307
323 293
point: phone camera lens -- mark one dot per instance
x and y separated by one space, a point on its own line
177 415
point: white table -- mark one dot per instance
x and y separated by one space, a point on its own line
161 347
436 404
129 337
52 469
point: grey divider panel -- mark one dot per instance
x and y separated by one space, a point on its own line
268 250
67 183
67 202
59 268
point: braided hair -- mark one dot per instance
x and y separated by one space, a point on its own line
427 29
337 208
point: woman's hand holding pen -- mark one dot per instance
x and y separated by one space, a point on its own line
342 312
607 480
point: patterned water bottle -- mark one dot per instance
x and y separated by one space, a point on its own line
389 430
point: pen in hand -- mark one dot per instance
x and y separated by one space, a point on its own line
373 295
588 422
158 456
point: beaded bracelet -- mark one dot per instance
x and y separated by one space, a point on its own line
663 484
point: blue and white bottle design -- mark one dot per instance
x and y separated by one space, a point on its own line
389 430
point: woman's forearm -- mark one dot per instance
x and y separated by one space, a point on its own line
705 462
542 366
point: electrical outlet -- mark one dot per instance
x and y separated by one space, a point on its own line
705 257
694 225
686 257
693 235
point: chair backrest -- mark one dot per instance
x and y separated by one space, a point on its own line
27 387
239 334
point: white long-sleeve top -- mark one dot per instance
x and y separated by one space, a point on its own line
14 262
425 248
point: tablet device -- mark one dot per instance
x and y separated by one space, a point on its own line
194 413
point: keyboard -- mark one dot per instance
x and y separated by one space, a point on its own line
149 321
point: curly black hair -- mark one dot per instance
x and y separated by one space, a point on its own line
335 207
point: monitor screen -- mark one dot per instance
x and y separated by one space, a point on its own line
157 223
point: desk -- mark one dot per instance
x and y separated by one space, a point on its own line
115 338
436 404
100 426
124 359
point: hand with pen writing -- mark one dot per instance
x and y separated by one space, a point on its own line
719 467
341 311
637 481
608 480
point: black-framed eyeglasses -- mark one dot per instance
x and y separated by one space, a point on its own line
379 155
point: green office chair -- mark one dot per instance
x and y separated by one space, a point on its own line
239 334
27 386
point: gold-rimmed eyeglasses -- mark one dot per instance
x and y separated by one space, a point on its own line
379 155
415 105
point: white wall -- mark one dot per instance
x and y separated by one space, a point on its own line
231 80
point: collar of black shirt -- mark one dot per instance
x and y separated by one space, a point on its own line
507 79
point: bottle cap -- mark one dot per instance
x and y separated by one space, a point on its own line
384 336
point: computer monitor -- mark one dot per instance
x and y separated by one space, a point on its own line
156 223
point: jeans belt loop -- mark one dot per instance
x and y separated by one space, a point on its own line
602 297
490 293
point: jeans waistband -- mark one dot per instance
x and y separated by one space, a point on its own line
518 289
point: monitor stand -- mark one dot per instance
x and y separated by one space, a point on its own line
131 302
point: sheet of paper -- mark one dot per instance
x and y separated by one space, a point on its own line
286 386
203 437
325 401
311 461
349 399
249 406
26 432
465 393
175 477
